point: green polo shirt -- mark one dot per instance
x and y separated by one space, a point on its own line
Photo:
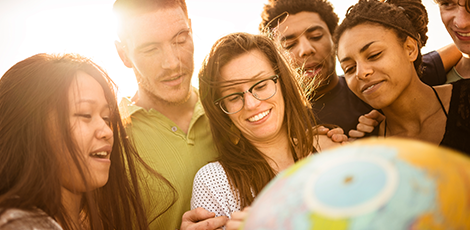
171 152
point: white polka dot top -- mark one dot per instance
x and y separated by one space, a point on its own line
211 191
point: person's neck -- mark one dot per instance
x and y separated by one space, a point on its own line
72 202
277 150
407 114
463 66
179 113
333 81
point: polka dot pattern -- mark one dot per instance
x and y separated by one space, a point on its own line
211 191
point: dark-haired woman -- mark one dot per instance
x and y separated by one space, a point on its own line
66 162
378 46
259 121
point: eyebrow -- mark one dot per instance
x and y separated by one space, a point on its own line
308 30
156 43
90 101
231 86
362 50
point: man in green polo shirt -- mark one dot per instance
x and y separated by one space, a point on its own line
168 124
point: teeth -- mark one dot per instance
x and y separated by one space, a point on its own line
370 87
259 116
99 154
464 34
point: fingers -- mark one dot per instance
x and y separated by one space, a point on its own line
321 130
197 214
365 128
237 219
335 131
365 120
355 134
201 219
375 115
337 135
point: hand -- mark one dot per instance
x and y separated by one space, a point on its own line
367 123
328 138
237 219
336 134
201 219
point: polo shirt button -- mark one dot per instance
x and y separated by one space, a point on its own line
174 128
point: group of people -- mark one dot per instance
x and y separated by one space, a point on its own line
175 157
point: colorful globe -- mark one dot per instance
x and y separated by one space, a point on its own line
369 185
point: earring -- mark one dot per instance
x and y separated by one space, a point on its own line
235 137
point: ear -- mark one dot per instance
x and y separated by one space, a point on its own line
411 48
122 51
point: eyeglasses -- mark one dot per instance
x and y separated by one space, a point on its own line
262 90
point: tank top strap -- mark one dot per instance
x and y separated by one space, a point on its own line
440 102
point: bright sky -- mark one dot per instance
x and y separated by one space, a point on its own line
28 27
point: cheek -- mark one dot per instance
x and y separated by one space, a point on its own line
352 83
446 18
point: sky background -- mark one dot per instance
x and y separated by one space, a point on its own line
87 27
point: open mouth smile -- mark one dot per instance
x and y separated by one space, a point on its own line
259 116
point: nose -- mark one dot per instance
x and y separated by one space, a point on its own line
305 48
462 18
250 101
104 132
170 57
363 71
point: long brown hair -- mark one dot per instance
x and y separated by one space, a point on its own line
247 168
30 92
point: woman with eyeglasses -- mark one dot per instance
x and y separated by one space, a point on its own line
259 119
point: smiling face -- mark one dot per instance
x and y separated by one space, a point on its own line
456 19
307 39
159 47
258 121
378 67
89 120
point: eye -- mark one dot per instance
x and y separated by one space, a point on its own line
349 70
288 45
151 50
107 120
182 37
374 56
317 37
233 98
84 115
260 85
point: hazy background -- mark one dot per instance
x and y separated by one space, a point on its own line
28 27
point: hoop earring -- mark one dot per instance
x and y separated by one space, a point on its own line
236 137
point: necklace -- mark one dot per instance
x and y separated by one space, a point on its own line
440 102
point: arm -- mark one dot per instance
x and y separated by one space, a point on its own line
211 190
450 55
204 202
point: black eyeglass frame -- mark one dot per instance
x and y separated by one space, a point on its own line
273 78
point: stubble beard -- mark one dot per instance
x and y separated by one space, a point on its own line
146 87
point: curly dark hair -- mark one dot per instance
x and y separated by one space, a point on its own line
405 17
277 10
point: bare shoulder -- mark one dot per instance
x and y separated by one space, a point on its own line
445 94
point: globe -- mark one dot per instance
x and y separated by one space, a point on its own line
370 184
